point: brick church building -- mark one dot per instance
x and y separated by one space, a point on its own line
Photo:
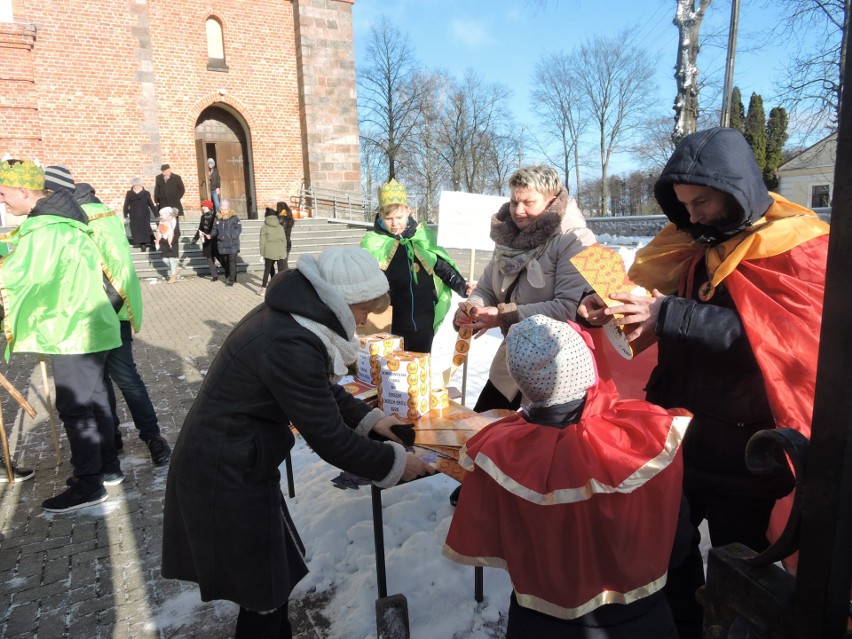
115 88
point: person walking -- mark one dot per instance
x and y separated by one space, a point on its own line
214 183
168 190
59 300
166 241
285 216
273 246
204 232
120 367
139 210
227 232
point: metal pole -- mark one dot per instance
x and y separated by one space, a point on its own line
729 66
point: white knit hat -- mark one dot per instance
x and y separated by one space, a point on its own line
549 360
353 272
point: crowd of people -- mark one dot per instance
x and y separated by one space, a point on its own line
592 503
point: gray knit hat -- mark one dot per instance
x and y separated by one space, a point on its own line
549 360
58 176
353 272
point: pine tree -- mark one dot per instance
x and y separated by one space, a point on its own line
755 129
776 138
737 110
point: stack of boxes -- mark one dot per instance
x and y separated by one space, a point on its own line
403 379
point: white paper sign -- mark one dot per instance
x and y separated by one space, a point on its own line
464 219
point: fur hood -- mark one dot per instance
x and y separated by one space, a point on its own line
225 214
562 213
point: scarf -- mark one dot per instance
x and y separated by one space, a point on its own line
517 250
341 351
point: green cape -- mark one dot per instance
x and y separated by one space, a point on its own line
425 246
52 290
111 238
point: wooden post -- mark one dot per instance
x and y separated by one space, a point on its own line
49 405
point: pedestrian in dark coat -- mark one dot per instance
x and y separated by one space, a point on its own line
226 525
285 216
204 232
227 232
168 189
139 209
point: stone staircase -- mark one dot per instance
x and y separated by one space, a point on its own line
311 235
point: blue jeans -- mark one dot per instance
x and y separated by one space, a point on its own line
215 197
121 369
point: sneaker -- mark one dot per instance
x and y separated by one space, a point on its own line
160 451
20 474
113 479
119 442
77 496
229 283
109 479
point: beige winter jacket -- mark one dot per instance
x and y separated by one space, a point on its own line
547 283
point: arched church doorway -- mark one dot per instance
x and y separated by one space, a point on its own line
222 134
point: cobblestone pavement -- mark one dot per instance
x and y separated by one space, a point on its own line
94 573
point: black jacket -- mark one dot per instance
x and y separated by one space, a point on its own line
706 363
224 520
169 192
139 208
414 302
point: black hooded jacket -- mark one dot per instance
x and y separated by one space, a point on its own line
706 363
61 203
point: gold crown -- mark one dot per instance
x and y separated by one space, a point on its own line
392 193
25 175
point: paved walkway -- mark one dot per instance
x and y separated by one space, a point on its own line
95 573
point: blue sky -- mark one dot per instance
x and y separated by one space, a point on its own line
503 39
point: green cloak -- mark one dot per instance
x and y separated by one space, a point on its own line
52 290
424 245
111 238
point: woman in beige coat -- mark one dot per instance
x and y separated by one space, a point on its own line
535 234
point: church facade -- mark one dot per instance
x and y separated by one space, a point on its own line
113 89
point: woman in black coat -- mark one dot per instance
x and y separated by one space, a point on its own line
139 209
226 525
285 216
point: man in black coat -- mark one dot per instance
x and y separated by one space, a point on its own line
168 189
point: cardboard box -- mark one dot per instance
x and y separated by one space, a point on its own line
367 366
404 384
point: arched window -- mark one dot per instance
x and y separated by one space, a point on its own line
215 46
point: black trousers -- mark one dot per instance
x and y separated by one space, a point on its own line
269 268
230 266
253 625
490 398
83 407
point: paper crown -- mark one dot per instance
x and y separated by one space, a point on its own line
25 175
392 193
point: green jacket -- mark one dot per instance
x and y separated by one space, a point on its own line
111 238
52 290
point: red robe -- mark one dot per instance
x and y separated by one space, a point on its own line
581 516
775 273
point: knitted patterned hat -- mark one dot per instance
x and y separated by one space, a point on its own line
353 272
211 162
24 175
58 177
549 360
392 193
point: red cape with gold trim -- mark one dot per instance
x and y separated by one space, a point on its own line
775 273
581 516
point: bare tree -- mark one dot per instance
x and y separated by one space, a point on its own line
557 100
389 92
476 112
813 79
655 145
616 78
422 167
688 22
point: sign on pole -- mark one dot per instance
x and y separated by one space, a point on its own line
464 219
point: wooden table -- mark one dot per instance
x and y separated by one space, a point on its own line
443 431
